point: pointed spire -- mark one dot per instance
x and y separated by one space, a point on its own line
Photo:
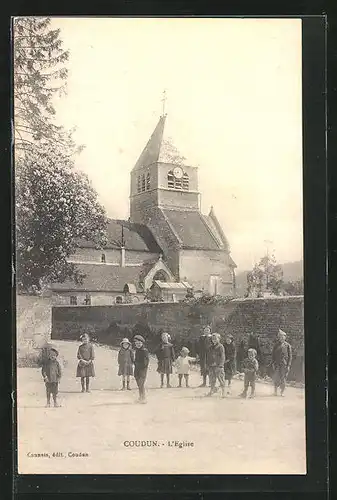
151 151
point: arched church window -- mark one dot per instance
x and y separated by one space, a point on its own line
143 182
148 182
186 182
139 184
103 258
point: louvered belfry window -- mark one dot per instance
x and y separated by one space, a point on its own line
139 184
143 182
148 182
173 183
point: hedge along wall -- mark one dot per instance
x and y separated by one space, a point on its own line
184 322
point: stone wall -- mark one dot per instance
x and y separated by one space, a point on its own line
33 319
184 322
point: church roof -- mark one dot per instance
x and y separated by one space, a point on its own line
136 237
159 149
105 278
192 230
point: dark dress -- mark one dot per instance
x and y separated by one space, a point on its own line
126 359
203 347
230 363
165 355
85 352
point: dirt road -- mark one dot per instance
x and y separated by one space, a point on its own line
94 433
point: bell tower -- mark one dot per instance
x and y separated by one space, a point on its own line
161 178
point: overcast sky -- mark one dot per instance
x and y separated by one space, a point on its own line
234 109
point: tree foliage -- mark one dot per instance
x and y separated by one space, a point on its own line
56 206
40 75
266 276
294 287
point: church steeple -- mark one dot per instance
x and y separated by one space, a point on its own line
161 177
151 152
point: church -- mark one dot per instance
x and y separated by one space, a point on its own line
165 249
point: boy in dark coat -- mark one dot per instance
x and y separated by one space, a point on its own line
281 361
141 365
250 367
51 373
216 361
85 367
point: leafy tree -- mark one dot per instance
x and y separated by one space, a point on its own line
56 206
294 287
40 75
267 275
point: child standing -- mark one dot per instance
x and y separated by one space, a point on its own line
183 365
51 373
141 365
216 360
126 360
165 355
250 368
85 367
230 363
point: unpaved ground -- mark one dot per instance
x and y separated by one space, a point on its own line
230 436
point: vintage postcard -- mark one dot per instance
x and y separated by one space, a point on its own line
159 245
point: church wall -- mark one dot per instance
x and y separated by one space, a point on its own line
178 199
112 256
198 265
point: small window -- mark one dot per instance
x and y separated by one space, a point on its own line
103 258
73 300
186 182
170 179
143 182
148 182
87 300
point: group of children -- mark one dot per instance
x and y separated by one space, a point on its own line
134 362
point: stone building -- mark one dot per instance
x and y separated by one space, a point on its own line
166 239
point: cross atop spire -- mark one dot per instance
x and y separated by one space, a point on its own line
163 100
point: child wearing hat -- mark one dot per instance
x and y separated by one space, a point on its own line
85 367
51 373
250 369
126 360
141 366
183 365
